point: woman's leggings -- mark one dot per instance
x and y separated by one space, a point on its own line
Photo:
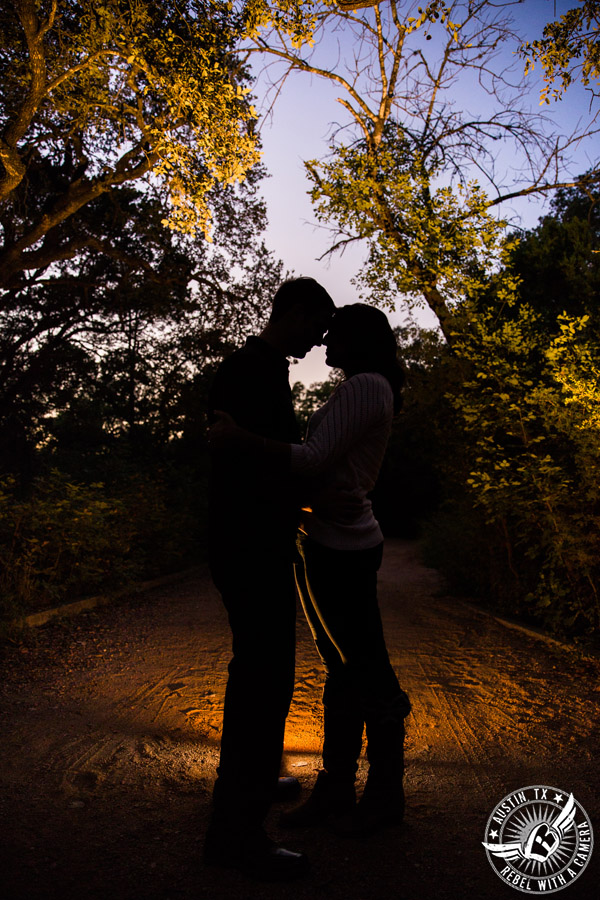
338 590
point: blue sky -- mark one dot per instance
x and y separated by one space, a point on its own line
299 129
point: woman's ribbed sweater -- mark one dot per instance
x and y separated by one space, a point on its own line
343 452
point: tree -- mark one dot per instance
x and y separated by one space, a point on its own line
558 262
98 95
411 173
529 418
110 346
568 49
308 399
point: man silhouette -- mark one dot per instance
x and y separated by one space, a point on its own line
253 517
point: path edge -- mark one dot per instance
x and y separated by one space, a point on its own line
87 603
530 631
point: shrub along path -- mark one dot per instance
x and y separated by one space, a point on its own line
110 730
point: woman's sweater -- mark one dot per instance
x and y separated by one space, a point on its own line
343 452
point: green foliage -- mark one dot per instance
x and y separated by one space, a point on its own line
96 95
529 412
501 431
409 483
558 262
111 344
421 238
295 18
308 399
131 260
66 539
107 345
472 556
61 540
412 174
569 48
509 423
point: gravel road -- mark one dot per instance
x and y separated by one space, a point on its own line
110 731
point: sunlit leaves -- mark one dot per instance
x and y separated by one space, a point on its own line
157 83
569 48
419 233
414 175
295 18
95 95
530 413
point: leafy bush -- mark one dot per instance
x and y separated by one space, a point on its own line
529 412
60 541
67 539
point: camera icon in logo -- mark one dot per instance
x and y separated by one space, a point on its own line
542 842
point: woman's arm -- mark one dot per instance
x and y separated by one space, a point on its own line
354 408
358 405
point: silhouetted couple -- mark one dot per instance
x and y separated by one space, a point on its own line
262 476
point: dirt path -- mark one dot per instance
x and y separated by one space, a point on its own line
110 729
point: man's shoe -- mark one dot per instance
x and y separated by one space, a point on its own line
260 858
329 797
274 864
288 788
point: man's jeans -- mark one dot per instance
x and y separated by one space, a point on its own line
257 588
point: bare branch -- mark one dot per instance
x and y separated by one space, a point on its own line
546 188
304 66
339 245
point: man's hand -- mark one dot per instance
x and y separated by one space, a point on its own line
224 432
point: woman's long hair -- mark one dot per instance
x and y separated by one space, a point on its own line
370 344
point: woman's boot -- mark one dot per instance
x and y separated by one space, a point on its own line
382 801
330 797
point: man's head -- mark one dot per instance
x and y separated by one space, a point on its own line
300 316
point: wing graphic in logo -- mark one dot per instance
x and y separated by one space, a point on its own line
564 820
511 850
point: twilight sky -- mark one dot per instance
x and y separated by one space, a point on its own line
299 129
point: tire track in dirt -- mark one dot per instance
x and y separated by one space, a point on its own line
440 736
110 747
142 722
86 759
484 705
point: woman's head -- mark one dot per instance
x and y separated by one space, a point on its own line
360 339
